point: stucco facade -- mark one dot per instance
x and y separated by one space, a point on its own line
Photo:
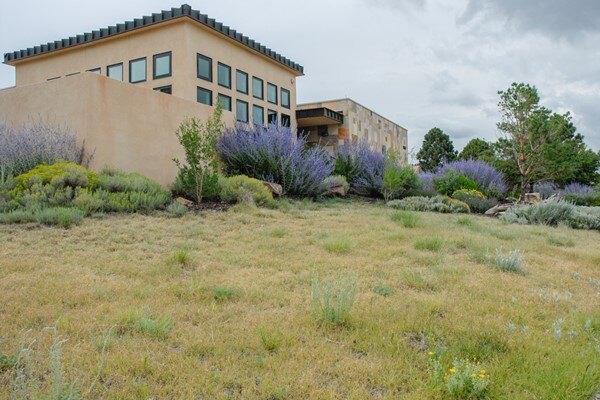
353 122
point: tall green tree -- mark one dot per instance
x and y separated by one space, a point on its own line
477 149
437 150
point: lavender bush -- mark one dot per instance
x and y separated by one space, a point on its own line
362 167
25 147
545 189
489 179
273 154
578 189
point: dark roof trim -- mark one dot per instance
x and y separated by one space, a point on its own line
183 11
320 112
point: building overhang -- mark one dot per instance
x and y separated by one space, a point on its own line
318 117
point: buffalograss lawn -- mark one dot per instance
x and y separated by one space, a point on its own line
218 305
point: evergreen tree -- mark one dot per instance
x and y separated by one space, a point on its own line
437 150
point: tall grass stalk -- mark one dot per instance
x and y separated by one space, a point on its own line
332 302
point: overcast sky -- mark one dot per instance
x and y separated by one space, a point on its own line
420 63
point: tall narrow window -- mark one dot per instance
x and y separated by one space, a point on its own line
285 120
257 88
162 65
224 75
224 101
272 117
204 96
137 70
204 67
115 71
271 93
241 111
285 98
241 81
258 115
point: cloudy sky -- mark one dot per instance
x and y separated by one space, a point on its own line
421 63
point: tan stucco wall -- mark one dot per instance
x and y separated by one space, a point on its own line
127 126
184 38
361 123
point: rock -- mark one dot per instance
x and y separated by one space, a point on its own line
338 190
275 188
185 202
532 198
498 209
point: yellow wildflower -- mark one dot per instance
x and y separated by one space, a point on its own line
453 370
430 353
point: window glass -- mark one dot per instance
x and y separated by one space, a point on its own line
241 111
164 89
204 96
162 65
115 71
241 81
271 93
96 70
225 102
285 120
272 117
204 67
258 115
137 70
285 98
257 88
224 78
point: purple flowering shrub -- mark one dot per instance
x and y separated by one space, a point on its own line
577 189
25 147
489 179
545 189
362 167
273 154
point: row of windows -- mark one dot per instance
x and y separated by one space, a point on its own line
161 68
205 71
242 112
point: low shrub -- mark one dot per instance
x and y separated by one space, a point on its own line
275 154
589 200
464 194
442 204
399 181
362 167
464 380
54 216
332 302
177 209
577 189
489 180
242 189
545 189
451 181
508 262
337 180
480 206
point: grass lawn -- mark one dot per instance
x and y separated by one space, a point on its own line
218 306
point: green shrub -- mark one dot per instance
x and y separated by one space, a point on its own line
332 302
554 212
508 262
451 181
337 180
464 194
89 202
589 200
442 204
59 176
242 189
54 216
399 181
177 209
465 380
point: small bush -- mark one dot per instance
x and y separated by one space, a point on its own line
332 302
545 189
240 189
465 194
489 180
55 216
465 380
451 181
177 209
362 167
442 204
432 244
398 181
223 293
508 262
142 323
589 200
407 219
337 180
577 189
554 212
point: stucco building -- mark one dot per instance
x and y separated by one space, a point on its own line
125 89
328 123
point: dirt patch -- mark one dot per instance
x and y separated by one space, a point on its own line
209 206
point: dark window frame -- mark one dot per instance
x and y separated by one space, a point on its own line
219 95
289 96
93 70
161 88
205 58
200 88
247 81
145 70
262 110
262 86
276 94
115 65
271 112
289 118
220 64
237 101
154 57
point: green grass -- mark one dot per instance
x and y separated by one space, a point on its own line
338 244
246 306
408 219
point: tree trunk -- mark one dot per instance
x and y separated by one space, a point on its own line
524 183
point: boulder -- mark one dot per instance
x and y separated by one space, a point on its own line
338 190
275 188
532 198
185 202
498 209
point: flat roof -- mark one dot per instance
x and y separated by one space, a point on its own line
184 11
353 101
